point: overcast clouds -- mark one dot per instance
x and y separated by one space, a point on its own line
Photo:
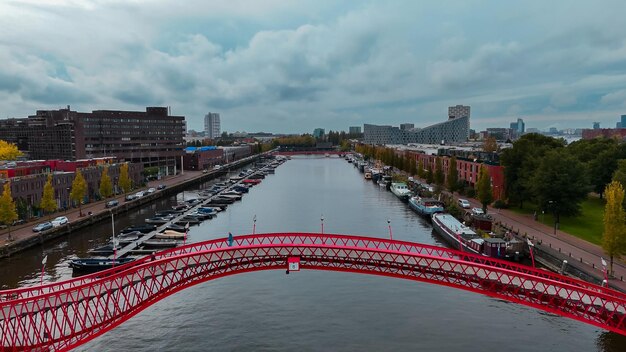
291 66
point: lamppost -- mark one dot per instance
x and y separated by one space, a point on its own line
554 205
69 200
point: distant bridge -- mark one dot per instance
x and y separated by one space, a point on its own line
60 316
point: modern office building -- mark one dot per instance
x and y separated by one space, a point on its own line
407 126
318 133
596 125
355 129
454 130
153 138
212 125
623 121
458 111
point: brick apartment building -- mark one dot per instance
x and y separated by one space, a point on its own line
29 177
467 169
153 138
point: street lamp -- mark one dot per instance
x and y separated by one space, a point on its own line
554 205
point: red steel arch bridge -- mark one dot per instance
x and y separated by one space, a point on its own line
62 315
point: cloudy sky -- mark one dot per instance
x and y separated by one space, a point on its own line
291 66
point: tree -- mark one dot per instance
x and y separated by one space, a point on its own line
412 166
520 163
483 188
599 155
490 145
453 176
560 183
620 174
79 188
48 203
614 235
420 168
106 188
124 181
8 151
429 174
8 214
439 175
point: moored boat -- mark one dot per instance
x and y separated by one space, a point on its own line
401 190
456 234
141 228
91 265
171 235
157 220
160 243
425 206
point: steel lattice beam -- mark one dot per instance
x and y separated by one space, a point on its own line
62 315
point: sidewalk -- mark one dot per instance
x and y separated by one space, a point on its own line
567 244
24 232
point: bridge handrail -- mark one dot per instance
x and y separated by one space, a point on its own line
348 257
283 238
597 290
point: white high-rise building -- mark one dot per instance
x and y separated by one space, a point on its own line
212 125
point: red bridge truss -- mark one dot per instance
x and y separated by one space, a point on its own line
59 316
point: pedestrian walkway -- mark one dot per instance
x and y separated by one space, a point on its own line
586 254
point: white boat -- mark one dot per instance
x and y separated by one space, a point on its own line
401 190
169 234
426 206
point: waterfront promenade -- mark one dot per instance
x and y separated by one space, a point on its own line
570 246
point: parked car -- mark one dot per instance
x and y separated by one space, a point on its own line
151 190
478 211
112 203
61 220
160 187
217 167
130 197
463 203
139 194
43 226
18 222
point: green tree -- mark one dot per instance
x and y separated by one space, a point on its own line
620 173
413 167
420 168
483 188
8 214
614 235
520 163
429 174
439 175
453 176
79 189
124 181
48 203
599 155
560 184
106 187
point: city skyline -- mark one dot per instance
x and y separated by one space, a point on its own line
292 67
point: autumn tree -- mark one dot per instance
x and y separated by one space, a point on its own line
453 176
483 188
614 236
79 189
490 145
429 174
48 203
106 188
413 167
8 213
8 151
124 181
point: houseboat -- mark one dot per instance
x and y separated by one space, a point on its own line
425 206
401 190
464 238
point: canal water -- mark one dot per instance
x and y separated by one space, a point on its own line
315 310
